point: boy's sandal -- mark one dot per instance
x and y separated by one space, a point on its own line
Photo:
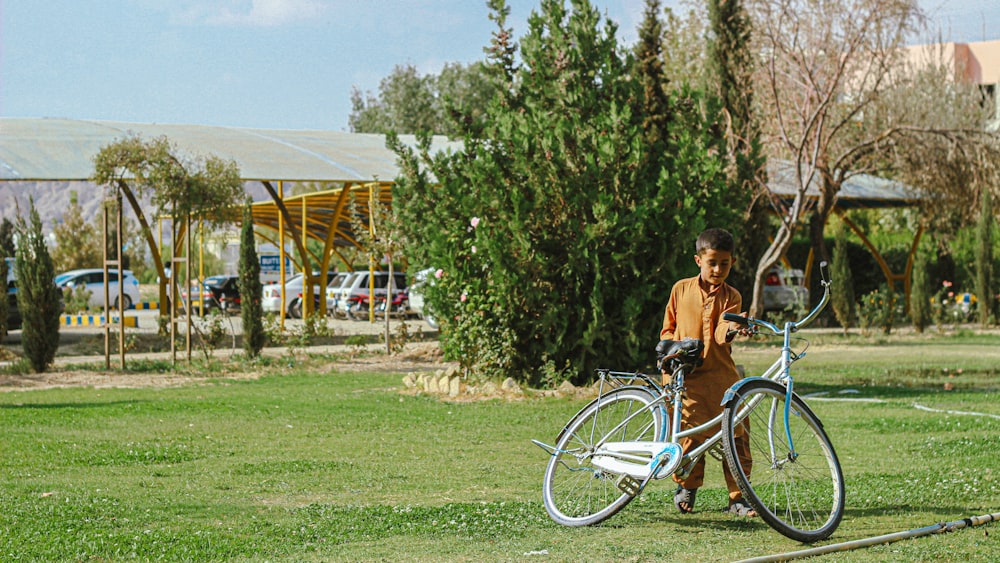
740 508
684 499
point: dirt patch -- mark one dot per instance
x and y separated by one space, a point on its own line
415 357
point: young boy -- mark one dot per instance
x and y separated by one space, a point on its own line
695 310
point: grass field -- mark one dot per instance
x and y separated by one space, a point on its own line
312 464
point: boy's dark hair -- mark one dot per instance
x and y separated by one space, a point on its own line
715 239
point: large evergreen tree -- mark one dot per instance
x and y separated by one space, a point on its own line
38 298
731 61
560 229
251 309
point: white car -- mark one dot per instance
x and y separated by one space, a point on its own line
352 299
417 304
271 295
93 280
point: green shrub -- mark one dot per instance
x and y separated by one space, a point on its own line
877 310
76 300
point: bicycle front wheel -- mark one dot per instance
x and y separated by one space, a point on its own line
578 493
800 494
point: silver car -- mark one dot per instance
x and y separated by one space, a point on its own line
785 288
93 280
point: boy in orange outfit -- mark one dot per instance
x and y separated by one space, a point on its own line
695 310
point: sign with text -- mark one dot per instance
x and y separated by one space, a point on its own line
271 263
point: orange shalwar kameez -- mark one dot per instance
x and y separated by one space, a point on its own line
695 311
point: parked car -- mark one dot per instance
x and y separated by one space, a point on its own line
93 280
333 293
417 303
334 282
271 301
220 292
784 288
354 294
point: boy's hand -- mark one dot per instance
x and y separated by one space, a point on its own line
741 329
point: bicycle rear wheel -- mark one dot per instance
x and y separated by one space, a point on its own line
578 493
802 495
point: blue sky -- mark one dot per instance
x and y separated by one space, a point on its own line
283 64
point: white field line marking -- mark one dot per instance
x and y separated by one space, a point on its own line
918 406
928 409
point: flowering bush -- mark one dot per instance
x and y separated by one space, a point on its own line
877 310
948 307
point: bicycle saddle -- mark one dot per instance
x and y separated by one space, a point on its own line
689 349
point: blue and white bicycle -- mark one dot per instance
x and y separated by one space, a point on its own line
629 436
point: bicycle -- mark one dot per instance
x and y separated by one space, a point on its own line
629 436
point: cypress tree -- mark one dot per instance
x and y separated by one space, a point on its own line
251 310
984 259
842 290
38 298
920 294
3 301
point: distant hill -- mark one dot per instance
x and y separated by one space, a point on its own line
53 198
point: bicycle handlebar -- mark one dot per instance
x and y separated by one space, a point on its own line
791 326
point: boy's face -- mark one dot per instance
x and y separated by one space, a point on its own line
715 265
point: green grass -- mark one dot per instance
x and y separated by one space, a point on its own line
312 465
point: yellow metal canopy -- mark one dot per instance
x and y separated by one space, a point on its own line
323 217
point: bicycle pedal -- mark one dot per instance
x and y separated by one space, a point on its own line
717 453
627 484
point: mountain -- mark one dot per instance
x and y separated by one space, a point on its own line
53 198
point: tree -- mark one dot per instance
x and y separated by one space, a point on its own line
984 259
377 234
7 248
730 58
559 228
405 104
824 65
921 314
184 188
4 303
251 309
77 244
409 103
842 292
38 297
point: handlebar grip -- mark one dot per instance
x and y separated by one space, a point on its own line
734 318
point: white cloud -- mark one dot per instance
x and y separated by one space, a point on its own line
257 13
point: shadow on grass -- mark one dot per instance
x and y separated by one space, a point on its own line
68 406
890 391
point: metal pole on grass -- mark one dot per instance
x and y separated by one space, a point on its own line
938 528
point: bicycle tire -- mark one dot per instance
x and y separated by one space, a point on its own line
801 498
575 492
